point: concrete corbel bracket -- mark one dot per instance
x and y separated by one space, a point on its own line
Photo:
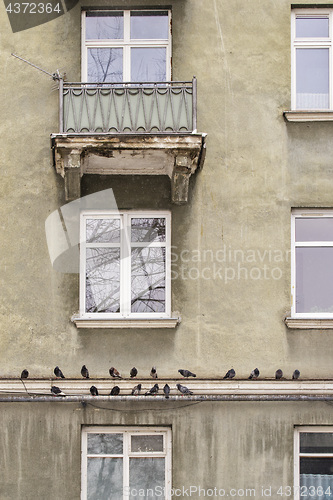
72 173
180 179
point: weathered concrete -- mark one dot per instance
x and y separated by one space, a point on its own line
231 242
231 254
224 445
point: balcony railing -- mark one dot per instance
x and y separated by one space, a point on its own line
106 108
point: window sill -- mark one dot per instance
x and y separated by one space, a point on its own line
126 323
309 323
308 116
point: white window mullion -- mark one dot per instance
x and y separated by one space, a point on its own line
126 443
84 467
124 265
330 62
83 265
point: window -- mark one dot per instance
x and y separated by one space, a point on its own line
119 463
126 46
125 265
313 463
312 263
312 59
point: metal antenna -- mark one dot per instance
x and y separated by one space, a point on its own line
56 75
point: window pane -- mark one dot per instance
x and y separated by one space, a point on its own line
104 25
148 280
103 230
312 27
312 86
105 444
315 465
148 230
147 474
314 279
148 64
105 478
316 442
147 443
105 65
316 486
147 25
318 229
103 280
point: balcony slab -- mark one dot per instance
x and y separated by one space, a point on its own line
176 155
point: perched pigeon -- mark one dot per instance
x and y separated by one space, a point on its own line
115 391
56 391
183 389
152 391
296 374
136 390
230 373
153 372
278 374
254 374
25 374
133 372
58 373
84 371
186 373
93 391
114 373
166 390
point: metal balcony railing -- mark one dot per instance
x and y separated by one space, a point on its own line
112 108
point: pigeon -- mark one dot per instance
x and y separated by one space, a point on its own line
186 373
56 391
84 372
93 391
133 372
183 389
58 373
114 373
25 374
153 372
278 374
254 374
115 391
230 373
296 374
166 390
136 390
153 390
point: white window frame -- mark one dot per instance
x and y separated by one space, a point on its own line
297 214
297 454
126 44
125 217
305 43
127 433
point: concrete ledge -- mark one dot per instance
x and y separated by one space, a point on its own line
203 387
309 323
308 116
126 323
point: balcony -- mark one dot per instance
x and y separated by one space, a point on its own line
128 129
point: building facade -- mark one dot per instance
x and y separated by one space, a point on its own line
166 201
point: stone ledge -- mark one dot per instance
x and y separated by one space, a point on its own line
205 387
308 116
309 323
126 323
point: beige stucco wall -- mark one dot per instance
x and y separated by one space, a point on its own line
230 446
257 168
